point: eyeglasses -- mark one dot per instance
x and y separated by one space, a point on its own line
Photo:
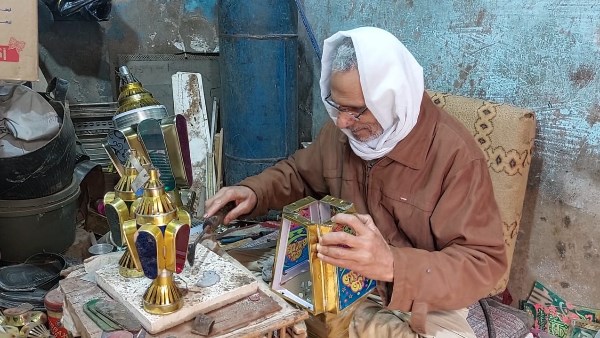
353 112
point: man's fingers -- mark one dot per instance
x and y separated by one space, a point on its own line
342 263
220 199
368 221
339 252
240 209
215 204
339 238
352 221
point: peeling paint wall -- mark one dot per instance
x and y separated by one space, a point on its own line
85 52
539 54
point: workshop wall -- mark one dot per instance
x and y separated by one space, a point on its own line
86 52
539 54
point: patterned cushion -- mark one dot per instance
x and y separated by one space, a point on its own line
505 134
506 321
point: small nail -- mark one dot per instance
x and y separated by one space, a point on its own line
318 247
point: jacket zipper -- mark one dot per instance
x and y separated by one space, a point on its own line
370 164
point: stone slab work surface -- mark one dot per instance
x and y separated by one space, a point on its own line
231 285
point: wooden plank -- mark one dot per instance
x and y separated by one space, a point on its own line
285 317
219 158
78 291
211 185
188 100
211 178
241 313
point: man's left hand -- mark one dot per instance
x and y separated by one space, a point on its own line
366 253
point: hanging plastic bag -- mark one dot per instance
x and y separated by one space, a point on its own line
79 10
27 121
42 162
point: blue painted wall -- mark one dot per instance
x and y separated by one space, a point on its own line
538 54
205 8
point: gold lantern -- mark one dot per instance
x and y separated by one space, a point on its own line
119 206
135 105
159 237
299 275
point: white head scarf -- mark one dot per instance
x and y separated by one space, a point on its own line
392 84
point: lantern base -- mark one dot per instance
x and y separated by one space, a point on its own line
127 266
163 296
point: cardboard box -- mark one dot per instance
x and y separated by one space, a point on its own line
301 277
18 40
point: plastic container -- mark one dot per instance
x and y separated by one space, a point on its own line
45 224
100 249
53 301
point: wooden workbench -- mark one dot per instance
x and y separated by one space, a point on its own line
78 291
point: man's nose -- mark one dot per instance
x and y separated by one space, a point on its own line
344 121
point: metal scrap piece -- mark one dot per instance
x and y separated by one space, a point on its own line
202 325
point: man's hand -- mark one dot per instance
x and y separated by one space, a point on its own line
244 198
366 253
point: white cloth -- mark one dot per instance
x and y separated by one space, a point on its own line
392 84
27 121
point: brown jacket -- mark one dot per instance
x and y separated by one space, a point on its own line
431 198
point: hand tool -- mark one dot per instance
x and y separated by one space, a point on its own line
209 225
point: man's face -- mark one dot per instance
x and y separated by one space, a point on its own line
346 92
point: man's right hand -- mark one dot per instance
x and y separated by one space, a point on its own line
244 198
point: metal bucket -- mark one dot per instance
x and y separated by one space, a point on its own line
45 171
45 224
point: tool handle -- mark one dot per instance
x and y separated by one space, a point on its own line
208 225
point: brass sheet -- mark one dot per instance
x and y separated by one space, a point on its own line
170 134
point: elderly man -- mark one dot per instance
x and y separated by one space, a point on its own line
428 228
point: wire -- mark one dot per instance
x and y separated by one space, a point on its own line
309 31
488 319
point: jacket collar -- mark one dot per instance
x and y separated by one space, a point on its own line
412 150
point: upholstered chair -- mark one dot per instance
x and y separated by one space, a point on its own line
505 134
